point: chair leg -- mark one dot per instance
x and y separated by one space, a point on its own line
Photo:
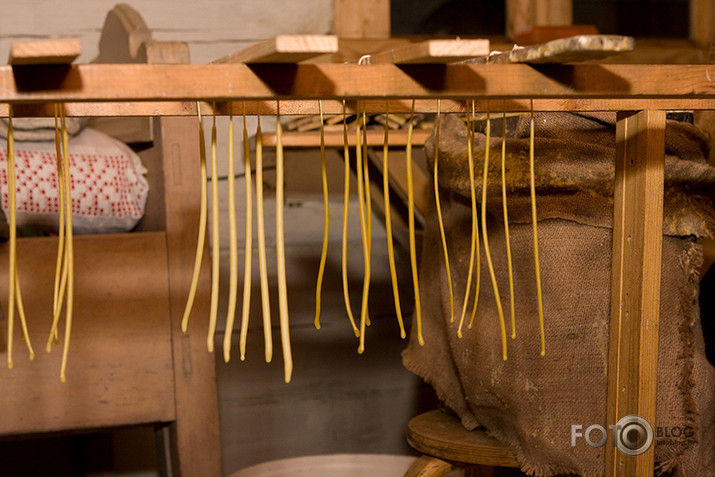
427 466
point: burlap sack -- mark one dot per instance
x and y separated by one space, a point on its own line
530 402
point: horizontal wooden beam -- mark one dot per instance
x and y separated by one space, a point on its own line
135 82
335 139
303 107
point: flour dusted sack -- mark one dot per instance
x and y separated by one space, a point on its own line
530 402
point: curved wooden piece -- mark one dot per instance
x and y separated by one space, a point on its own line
441 435
427 466
123 33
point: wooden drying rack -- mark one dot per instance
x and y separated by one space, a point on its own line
639 93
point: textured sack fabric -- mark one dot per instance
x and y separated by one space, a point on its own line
530 402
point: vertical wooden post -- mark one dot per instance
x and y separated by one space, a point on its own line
702 22
635 280
361 18
521 14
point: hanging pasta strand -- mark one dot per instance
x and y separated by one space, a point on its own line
438 206
202 224
69 248
506 226
367 197
262 265
363 231
232 244
12 239
60 268
388 226
215 257
344 242
485 236
474 241
536 235
411 227
280 253
248 251
326 220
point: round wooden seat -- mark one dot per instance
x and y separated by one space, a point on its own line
448 445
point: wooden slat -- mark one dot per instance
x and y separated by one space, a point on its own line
119 370
433 51
47 52
331 81
302 107
635 280
285 49
702 22
565 50
335 139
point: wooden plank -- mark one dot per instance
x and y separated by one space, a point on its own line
565 50
335 139
441 435
335 107
361 18
330 81
119 370
635 280
541 34
433 51
46 52
285 49
195 432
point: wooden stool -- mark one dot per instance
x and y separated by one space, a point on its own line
448 446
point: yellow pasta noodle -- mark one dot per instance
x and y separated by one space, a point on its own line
232 246
262 266
368 202
344 248
326 219
364 232
215 257
59 268
202 225
69 249
438 207
536 235
280 254
388 226
506 226
12 242
474 241
487 254
248 251
411 227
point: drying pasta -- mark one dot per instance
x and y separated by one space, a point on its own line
326 219
474 241
59 267
388 227
506 226
344 248
232 246
69 249
364 232
367 198
262 266
202 225
411 227
536 235
487 254
439 213
215 257
280 254
248 255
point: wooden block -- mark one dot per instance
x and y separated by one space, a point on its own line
635 280
564 50
434 51
50 52
285 49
